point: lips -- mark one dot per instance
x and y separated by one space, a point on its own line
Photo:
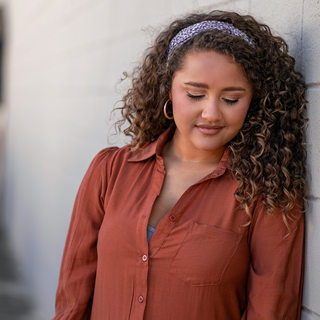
209 130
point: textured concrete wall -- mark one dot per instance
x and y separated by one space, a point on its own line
64 58
311 69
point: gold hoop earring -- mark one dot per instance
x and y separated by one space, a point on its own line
165 110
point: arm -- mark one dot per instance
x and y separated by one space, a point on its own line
274 288
79 261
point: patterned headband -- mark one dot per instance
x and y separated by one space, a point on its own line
187 33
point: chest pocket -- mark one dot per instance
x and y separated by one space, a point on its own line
204 255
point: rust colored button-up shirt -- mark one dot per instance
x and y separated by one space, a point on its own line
201 262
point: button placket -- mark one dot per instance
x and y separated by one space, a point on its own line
142 266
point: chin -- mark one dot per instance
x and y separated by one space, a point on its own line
209 148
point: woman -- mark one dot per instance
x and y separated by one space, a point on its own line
215 173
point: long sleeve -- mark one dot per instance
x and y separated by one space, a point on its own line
78 267
274 288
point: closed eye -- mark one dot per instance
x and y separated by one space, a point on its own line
195 97
230 102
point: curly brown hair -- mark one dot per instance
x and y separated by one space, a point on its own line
268 154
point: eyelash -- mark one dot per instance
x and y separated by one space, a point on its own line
230 102
197 98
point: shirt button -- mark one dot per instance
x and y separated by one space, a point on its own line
140 299
172 218
144 258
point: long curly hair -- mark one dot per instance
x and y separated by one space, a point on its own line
268 154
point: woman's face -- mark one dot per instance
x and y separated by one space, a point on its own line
210 97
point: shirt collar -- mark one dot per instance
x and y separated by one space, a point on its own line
154 148
224 164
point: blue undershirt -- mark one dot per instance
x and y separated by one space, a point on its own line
150 232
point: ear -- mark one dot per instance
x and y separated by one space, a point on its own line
170 95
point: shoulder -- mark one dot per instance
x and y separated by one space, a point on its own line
103 164
113 158
106 158
284 223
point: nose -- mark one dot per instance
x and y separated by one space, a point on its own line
211 111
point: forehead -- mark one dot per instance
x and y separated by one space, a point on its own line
211 66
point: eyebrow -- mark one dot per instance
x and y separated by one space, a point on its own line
205 86
197 85
234 89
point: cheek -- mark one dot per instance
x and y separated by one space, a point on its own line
237 117
183 108
183 114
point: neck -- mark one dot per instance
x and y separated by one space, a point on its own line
182 153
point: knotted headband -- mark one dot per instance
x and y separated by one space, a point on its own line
187 33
